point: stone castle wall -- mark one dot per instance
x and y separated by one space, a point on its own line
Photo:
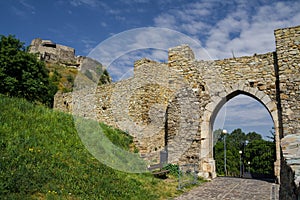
172 106
54 53
288 56
183 95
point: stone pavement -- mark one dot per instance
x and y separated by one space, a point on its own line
233 188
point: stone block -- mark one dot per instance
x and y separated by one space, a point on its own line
266 99
211 106
271 106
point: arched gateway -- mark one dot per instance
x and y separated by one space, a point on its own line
172 106
212 84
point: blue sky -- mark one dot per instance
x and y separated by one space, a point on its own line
221 27
246 113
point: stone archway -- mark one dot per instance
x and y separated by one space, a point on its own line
271 78
213 108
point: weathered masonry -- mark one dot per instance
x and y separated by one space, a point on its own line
54 53
172 106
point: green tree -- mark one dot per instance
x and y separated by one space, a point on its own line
217 136
22 75
232 152
237 139
253 136
261 155
219 157
272 137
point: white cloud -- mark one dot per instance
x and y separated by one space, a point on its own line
241 27
88 45
18 11
135 1
122 67
138 40
186 19
105 7
246 113
91 3
255 34
165 20
24 10
27 6
103 24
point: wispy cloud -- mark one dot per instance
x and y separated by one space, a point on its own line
191 18
106 8
166 20
18 11
91 3
88 45
246 113
23 9
122 68
95 4
252 33
27 5
136 44
135 1
239 26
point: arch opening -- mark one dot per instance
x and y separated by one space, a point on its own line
250 149
234 95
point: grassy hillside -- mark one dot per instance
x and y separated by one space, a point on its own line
62 76
42 157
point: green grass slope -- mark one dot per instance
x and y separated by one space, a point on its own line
42 157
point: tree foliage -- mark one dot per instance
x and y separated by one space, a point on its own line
259 153
22 75
251 136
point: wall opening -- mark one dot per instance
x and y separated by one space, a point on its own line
249 144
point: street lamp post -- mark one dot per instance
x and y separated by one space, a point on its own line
245 145
225 168
240 152
248 166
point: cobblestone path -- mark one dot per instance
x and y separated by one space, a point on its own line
233 188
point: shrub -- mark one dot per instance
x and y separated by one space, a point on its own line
173 169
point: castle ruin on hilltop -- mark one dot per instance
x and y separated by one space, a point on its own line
55 53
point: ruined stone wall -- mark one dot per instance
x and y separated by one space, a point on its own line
172 106
137 106
288 56
54 53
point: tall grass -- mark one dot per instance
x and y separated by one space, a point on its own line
42 157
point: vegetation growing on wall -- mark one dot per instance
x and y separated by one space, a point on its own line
62 76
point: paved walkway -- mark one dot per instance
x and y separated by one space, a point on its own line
233 188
